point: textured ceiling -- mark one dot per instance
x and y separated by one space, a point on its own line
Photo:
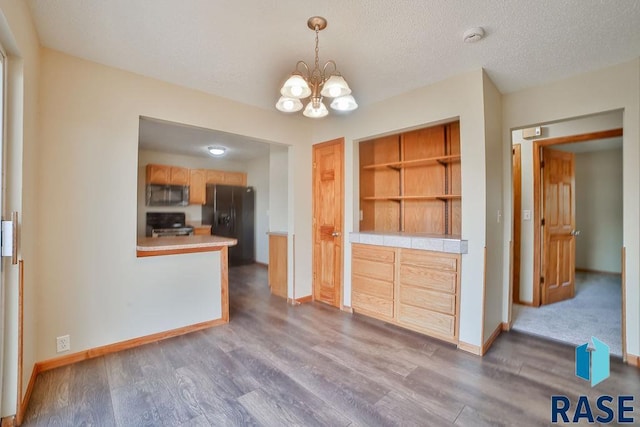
243 50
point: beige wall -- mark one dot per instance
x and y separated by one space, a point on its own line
459 97
493 316
258 178
19 39
599 210
608 89
93 287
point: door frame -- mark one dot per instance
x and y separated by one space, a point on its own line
537 193
340 261
516 161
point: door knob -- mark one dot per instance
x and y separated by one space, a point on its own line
575 232
336 234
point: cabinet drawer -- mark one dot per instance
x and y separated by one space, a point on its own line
431 300
373 269
425 278
378 254
378 307
428 260
427 320
378 288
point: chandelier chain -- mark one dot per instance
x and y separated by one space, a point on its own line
317 67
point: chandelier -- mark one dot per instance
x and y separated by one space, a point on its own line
316 84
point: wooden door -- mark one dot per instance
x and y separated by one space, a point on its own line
328 202
558 250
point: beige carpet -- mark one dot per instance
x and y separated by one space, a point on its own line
596 310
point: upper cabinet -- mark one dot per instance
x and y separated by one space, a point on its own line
197 187
215 177
201 177
196 179
165 174
410 182
235 178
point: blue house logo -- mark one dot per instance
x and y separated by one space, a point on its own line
593 365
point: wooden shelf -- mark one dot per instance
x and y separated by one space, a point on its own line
411 181
430 197
415 163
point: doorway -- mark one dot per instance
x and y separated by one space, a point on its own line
595 233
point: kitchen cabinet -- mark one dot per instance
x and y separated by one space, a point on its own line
168 175
202 230
197 187
410 182
215 177
415 289
373 277
201 177
235 178
278 264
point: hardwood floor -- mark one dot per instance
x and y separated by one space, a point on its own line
276 365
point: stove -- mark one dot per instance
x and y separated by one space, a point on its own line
162 224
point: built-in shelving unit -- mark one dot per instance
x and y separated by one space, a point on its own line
410 182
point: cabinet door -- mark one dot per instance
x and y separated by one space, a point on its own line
179 176
197 188
158 174
202 231
278 265
215 177
235 178
373 273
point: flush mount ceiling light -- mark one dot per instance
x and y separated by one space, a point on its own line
315 84
217 151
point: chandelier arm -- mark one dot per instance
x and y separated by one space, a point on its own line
306 68
327 64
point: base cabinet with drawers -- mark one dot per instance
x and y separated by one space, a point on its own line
415 289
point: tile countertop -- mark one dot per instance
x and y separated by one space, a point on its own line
183 243
427 242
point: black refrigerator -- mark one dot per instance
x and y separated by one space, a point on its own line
229 210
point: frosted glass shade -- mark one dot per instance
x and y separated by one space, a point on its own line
289 105
295 87
344 103
335 86
315 113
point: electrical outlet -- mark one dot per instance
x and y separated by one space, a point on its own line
63 343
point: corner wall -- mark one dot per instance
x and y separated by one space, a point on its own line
612 88
493 292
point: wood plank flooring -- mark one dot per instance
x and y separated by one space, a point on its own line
312 365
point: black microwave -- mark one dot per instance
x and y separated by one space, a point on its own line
167 195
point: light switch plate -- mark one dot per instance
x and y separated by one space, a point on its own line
526 215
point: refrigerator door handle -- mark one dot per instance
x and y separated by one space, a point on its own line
233 219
